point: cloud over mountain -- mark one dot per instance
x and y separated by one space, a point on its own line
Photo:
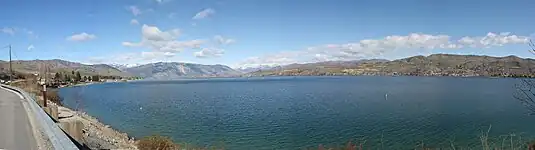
371 48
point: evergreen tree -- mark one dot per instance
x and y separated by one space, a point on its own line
78 77
57 77
66 78
96 78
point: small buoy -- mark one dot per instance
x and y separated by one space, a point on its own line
140 108
386 96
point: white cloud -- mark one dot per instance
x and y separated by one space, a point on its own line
155 55
133 58
134 10
209 52
134 21
223 41
162 1
31 47
467 41
163 41
286 57
13 30
8 30
81 37
204 13
155 34
373 48
493 39
130 44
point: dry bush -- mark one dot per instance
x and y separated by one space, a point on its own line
53 96
156 142
531 146
31 86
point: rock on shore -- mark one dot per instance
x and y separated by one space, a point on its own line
95 134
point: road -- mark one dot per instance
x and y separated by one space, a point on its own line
15 128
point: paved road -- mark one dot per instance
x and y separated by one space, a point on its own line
15 129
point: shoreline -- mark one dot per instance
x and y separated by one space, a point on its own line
95 134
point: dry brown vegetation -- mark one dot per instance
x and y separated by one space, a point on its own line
156 142
31 86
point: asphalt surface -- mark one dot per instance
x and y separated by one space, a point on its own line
15 128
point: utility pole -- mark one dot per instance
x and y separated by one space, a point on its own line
10 65
45 75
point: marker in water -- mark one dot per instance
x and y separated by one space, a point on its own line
386 96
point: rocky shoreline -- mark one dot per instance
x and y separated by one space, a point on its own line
96 135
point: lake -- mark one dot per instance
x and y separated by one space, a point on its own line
303 112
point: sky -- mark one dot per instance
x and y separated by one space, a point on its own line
251 33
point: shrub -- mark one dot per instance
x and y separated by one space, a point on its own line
156 142
53 96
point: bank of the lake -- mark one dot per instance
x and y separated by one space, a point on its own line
97 135
303 112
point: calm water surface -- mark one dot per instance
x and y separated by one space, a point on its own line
303 112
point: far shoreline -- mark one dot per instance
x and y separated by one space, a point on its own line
287 76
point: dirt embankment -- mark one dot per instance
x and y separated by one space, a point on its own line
95 134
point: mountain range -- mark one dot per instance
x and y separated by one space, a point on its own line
172 70
432 65
57 65
161 70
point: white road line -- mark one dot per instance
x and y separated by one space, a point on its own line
21 97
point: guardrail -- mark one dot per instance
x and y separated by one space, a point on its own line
58 138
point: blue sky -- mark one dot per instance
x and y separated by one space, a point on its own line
248 33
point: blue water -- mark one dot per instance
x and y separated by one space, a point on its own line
303 112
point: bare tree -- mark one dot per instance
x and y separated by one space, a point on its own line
532 46
525 90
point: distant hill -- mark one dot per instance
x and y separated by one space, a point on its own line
316 65
333 64
253 69
433 65
57 65
173 70
160 70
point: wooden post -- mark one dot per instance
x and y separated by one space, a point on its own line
44 95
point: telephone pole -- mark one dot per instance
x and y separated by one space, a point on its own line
43 81
10 65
